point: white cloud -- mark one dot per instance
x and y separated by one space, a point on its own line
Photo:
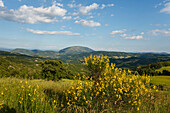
66 17
123 35
74 5
108 5
160 32
90 23
69 33
77 17
31 15
117 32
166 9
85 9
90 17
103 6
74 14
135 37
142 33
1 3
106 24
59 4
155 24
112 15
93 34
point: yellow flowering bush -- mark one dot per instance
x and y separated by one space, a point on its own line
107 87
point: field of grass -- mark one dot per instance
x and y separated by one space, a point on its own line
163 68
163 81
29 95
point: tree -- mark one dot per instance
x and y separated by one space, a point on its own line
54 70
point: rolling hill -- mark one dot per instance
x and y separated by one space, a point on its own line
75 50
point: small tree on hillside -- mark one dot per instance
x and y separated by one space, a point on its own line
54 70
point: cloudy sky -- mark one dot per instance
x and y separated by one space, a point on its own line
112 25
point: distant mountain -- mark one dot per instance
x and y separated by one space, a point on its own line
23 51
75 50
36 52
5 49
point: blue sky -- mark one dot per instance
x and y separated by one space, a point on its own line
111 25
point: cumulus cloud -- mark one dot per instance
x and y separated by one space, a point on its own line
126 36
77 17
74 14
66 17
123 35
59 4
117 32
166 9
108 5
159 32
90 23
1 3
85 9
142 33
74 5
31 15
69 33
135 37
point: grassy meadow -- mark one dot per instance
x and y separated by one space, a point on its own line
106 89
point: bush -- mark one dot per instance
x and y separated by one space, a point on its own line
107 88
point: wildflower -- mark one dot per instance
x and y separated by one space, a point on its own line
54 101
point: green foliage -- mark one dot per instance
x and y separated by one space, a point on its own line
17 67
154 69
55 70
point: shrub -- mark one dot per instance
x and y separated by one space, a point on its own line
107 88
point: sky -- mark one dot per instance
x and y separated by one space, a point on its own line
110 25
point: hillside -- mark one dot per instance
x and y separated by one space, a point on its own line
76 50
76 54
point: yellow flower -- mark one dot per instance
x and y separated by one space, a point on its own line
154 87
62 105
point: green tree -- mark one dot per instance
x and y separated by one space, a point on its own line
54 70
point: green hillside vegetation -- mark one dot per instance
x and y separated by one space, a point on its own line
154 69
23 51
163 68
75 50
30 67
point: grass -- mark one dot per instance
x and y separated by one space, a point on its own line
163 81
15 91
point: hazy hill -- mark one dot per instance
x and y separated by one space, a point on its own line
23 51
75 50
4 49
48 53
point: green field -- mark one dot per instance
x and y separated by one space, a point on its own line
162 80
